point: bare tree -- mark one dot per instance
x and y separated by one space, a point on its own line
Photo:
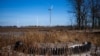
95 12
80 10
86 11
84 14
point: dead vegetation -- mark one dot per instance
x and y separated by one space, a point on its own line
31 36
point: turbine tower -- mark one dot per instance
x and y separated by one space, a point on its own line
37 21
50 10
17 23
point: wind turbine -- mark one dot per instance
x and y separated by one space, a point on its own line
37 21
17 23
50 10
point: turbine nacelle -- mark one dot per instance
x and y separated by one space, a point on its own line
51 7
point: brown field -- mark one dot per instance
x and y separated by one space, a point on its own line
46 35
30 36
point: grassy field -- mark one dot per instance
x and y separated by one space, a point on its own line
30 36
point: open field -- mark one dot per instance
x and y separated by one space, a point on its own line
52 35
31 36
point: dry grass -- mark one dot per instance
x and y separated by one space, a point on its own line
32 36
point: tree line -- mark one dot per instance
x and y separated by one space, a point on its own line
86 12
